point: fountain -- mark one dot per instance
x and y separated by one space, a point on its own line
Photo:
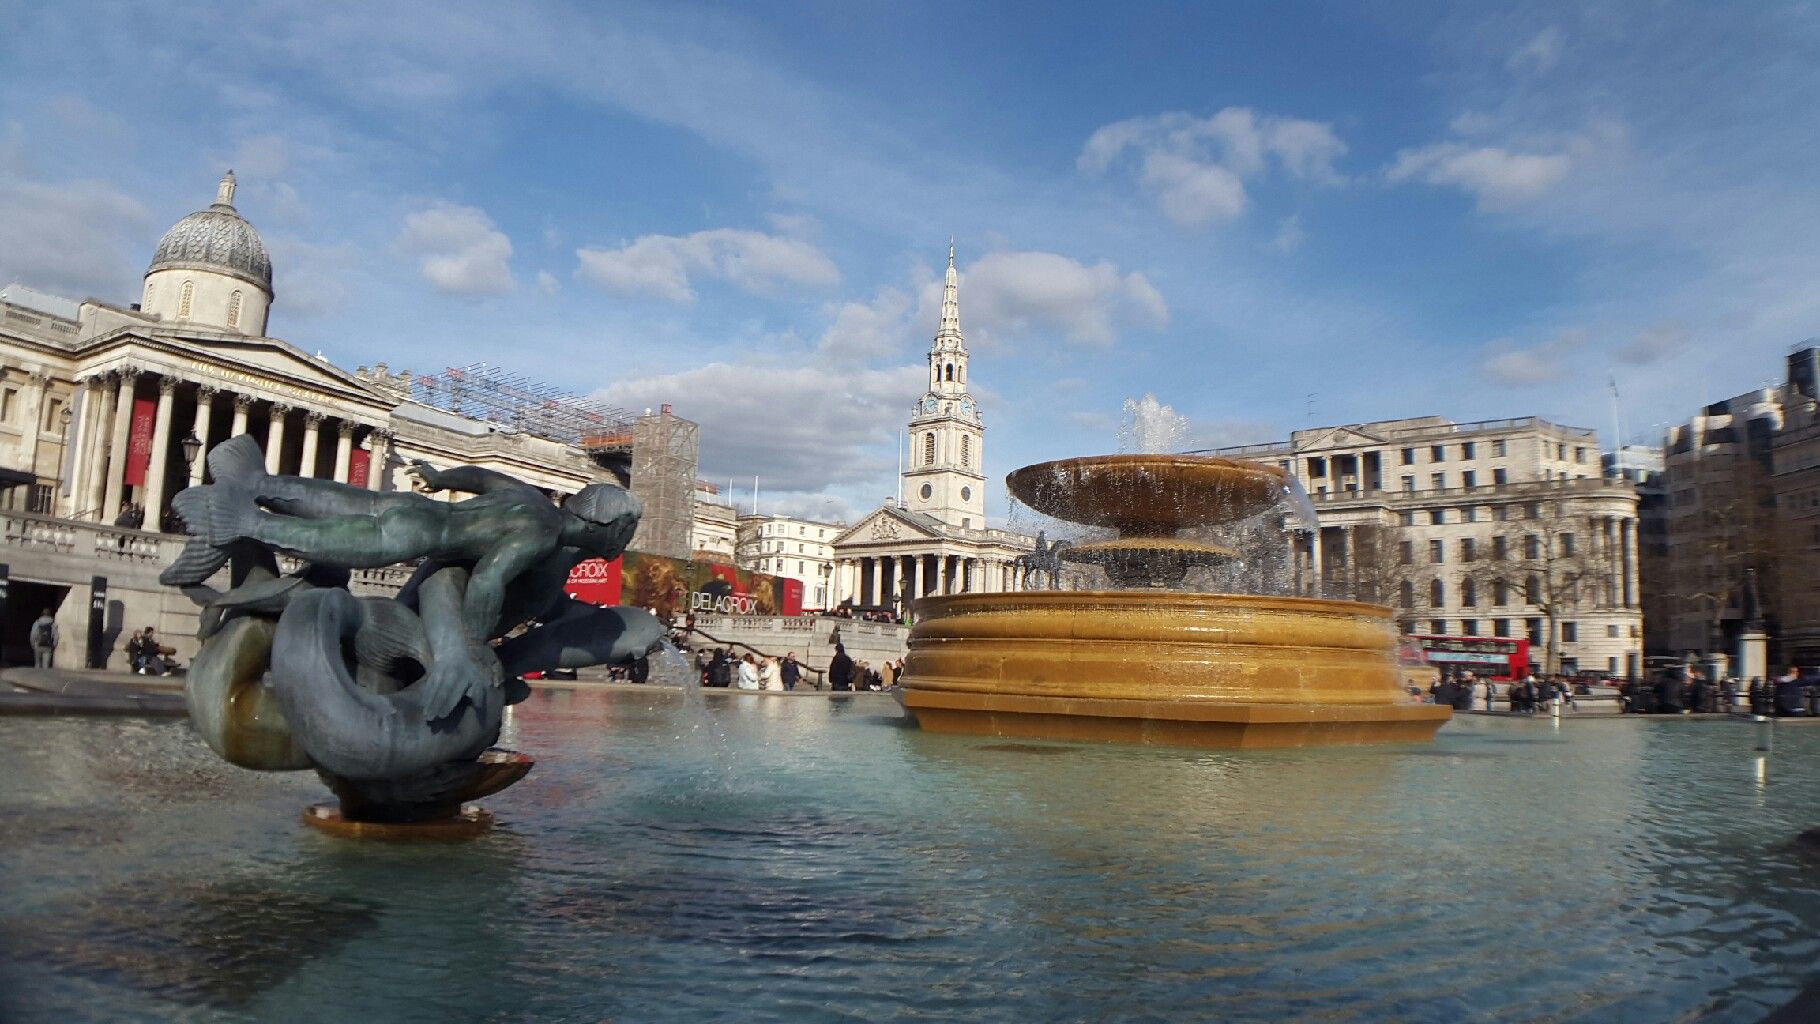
1149 662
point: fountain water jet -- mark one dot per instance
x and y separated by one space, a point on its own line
1148 664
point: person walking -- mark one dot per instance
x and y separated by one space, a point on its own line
44 640
790 673
840 670
1491 692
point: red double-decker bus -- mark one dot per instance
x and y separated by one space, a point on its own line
1502 658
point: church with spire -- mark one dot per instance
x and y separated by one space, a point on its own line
934 539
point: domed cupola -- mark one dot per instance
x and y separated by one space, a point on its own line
211 269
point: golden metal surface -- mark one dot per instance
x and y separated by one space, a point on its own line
1153 495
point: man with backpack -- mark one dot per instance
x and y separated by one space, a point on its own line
44 640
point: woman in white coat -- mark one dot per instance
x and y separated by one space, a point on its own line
770 677
748 673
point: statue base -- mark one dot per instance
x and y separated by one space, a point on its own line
434 806
470 821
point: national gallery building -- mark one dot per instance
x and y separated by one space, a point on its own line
107 411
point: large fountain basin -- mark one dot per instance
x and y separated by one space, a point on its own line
1148 495
1221 670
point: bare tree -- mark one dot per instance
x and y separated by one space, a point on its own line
1554 564
1730 530
1385 569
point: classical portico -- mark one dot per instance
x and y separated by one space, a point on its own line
895 555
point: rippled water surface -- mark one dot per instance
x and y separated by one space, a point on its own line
808 859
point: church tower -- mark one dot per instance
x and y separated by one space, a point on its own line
944 478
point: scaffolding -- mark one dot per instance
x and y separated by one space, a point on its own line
666 452
481 391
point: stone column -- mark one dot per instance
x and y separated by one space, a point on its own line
34 423
344 450
205 415
312 428
942 578
118 444
79 459
95 491
1352 560
1627 535
161 449
1316 589
906 579
274 437
379 448
242 405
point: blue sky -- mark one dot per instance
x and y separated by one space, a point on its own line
1253 211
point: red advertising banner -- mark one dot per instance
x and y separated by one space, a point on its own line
793 596
595 581
358 460
139 441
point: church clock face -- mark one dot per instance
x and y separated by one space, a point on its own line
966 493
927 492
967 406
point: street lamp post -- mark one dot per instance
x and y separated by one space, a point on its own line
63 447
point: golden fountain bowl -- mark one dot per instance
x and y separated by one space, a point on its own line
1224 670
1147 561
1148 494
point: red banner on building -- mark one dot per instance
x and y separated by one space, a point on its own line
358 460
595 581
139 441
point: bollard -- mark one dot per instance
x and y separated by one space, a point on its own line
1556 710
1766 732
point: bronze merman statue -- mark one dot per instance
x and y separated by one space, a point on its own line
390 699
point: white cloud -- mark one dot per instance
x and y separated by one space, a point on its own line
460 251
1540 54
547 283
1025 292
798 428
1507 363
1652 345
74 238
867 330
1498 177
661 266
1289 235
1196 167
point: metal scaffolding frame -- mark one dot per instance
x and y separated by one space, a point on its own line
485 392
666 453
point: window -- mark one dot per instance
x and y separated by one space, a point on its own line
1466 549
1579 454
1437 592
1438 453
1532 546
234 309
950 371
929 449
1437 517
183 300
52 409
7 401
1438 480
1500 627
1317 467
1500 548
1500 476
1469 514
1438 627
966 450
1500 592
1567 545
1467 450
1469 479
1437 553
1409 456
1532 589
1469 627
1469 594
1534 628
1409 484
1406 595
1561 452
1406 518
1497 449
1406 552
1611 632
1570 632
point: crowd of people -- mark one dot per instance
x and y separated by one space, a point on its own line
1468 691
721 667
1688 691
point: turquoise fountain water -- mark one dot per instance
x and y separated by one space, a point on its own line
837 866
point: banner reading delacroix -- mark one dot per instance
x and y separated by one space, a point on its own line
674 588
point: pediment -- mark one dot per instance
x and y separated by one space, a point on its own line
1339 437
263 366
885 526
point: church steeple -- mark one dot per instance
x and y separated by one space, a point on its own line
945 478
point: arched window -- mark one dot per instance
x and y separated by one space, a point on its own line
1469 593
1406 595
234 309
1500 592
966 450
1437 593
183 300
950 371
929 448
